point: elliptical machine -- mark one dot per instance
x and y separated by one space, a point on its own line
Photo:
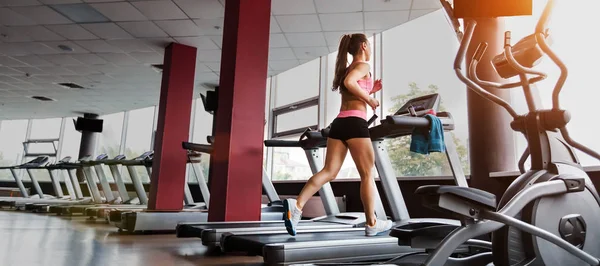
549 215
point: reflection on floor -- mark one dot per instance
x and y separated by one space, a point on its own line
35 239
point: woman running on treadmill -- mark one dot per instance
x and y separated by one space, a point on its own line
349 131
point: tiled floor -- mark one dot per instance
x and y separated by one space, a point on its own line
35 239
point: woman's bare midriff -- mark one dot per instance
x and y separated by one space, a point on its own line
351 102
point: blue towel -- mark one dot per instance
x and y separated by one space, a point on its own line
426 140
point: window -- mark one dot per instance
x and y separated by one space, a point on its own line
109 141
416 64
203 126
12 135
46 129
295 92
139 137
71 140
573 47
290 164
299 83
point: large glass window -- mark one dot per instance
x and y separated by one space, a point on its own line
139 136
71 140
416 64
299 83
575 48
296 91
12 135
109 141
203 124
290 164
43 129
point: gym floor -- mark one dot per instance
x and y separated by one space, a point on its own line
34 239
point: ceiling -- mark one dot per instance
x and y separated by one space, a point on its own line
111 45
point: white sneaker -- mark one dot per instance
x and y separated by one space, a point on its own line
379 228
291 215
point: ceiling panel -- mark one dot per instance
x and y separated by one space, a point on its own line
277 41
311 39
426 4
143 29
388 5
206 9
72 32
99 46
299 23
42 15
338 6
107 31
420 12
384 19
179 28
159 10
12 18
10 62
342 21
201 43
119 11
292 7
112 59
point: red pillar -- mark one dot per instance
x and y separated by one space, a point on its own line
237 160
491 141
174 111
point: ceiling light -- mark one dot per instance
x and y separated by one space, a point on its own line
80 13
70 85
43 98
65 48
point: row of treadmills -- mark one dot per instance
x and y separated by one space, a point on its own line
119 208
335 237
339 237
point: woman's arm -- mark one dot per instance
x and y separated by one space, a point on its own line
351 81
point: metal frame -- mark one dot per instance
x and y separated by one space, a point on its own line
292 107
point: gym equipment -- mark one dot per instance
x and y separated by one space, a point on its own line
114 213
30 202
351 244
549 214
98 199
166 222
310 142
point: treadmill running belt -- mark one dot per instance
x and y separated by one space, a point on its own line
254 243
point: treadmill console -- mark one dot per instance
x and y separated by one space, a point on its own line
420 106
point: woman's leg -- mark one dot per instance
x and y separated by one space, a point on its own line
336 153
361 150
334 158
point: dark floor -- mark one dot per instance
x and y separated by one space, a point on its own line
36 239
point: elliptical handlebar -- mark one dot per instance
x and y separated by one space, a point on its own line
539 37
474 86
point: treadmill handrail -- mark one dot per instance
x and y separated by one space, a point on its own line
282 143
204 148
411 121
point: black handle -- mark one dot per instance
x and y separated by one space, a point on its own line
282 143
372 119
197 147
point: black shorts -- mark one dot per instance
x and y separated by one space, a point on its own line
346 128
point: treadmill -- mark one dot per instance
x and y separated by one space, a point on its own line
107 197
113 213
166 222
345 245
27 200
310 142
